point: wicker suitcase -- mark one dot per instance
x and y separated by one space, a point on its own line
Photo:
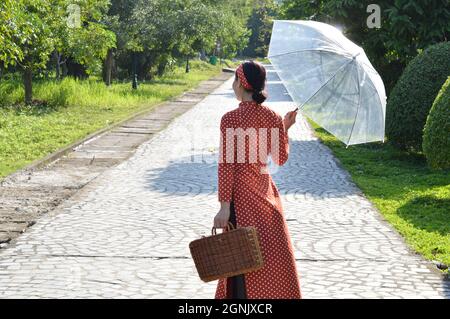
233 252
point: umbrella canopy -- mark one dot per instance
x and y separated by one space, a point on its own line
331 79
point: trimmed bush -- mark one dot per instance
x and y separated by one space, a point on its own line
412 97
436 134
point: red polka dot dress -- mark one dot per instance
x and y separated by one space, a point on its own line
257 203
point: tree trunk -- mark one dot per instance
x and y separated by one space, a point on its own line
162 67
107 67
65 70
187 66
203 55
57 58
134 83
145 70
27 83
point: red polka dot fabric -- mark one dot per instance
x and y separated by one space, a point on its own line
256 198
242 78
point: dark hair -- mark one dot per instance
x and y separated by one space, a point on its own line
255 73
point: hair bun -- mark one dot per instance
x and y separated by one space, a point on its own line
255 75
259 96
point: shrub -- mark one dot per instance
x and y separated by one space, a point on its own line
413 95
436 134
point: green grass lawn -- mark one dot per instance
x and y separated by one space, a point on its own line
414 199
74 109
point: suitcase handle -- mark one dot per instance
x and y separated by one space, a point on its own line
230 226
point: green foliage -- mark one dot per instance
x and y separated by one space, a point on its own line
88 43
412 97
165 29
303 9
233 36
29 31
198 27
10 20
260 24
228 30
118 20
436 134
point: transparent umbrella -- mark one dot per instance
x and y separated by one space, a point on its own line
331 79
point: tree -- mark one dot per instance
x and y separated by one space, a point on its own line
28 38
86 44
180 28
260 24
234 34
119 20
89 45
154 27
196 29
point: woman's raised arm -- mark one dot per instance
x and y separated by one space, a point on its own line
279 144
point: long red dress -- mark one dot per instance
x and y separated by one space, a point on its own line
257 203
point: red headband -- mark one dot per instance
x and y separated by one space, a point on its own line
242 78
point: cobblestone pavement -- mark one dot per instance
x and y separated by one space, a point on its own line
126 234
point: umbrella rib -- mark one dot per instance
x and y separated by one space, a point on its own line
357 110
331 78
381 104
340 97
306 50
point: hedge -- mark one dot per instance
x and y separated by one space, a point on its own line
436 134
412 97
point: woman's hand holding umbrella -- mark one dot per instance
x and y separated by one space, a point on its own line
289 119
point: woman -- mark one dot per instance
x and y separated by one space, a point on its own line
247 193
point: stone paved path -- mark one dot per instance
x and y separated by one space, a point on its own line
126 234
